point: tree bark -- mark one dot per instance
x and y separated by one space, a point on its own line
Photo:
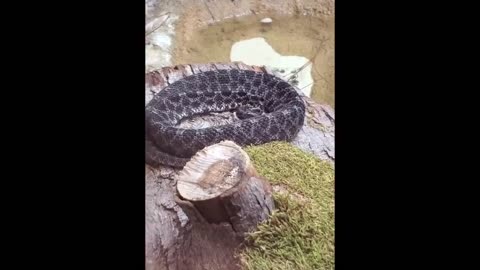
221 197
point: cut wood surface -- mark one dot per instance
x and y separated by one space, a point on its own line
177 237
221 197
224 186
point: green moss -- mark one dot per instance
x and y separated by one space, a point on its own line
300 233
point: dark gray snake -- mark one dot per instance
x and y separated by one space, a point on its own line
268 109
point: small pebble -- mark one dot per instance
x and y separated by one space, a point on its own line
266 20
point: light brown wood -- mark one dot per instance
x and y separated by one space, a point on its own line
224 186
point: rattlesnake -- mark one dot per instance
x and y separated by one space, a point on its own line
268 109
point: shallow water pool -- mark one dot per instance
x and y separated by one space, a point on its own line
309 37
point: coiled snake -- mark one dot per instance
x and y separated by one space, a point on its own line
268 109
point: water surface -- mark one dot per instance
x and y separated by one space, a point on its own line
310 37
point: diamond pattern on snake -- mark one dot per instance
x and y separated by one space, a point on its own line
267 108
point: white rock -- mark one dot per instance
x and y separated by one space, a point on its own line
266 20
158 42
162 40
156 57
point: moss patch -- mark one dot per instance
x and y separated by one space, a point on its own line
300 233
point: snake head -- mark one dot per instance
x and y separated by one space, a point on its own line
248 111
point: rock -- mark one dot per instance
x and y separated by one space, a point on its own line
266 20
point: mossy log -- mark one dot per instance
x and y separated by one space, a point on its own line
190 235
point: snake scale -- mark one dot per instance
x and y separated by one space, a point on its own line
267 108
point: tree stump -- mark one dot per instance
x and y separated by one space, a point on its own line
221 197
224 186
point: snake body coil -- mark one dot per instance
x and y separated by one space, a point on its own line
268 108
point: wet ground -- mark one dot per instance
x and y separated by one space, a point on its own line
306 36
